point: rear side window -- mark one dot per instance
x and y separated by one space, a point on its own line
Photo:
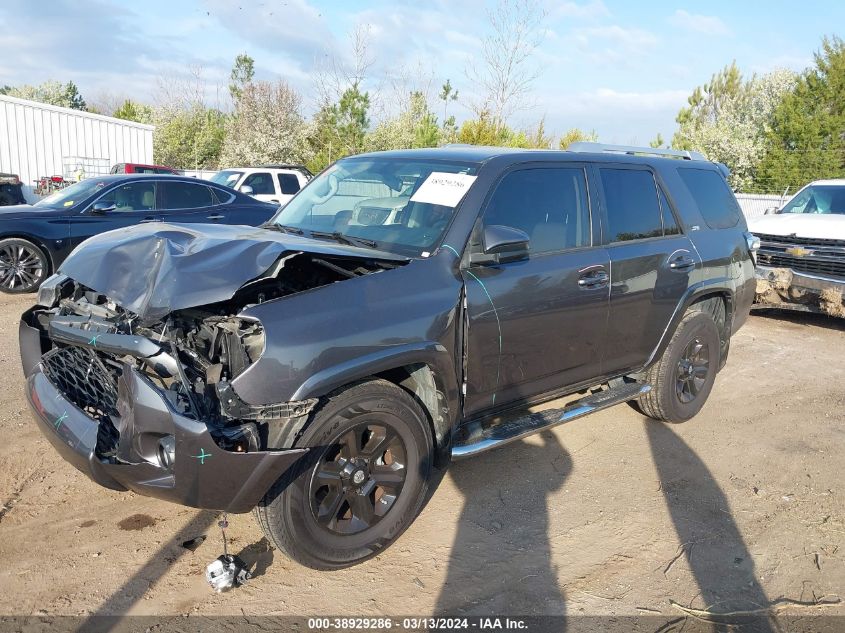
183 195
633 209
288 183
714 199
550 205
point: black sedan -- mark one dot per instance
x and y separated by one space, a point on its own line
35 239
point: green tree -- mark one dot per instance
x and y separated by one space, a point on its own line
188 138
806 139
416 126
134 111
447 94
657 142
50 92
728 120
267 126
577 135
242 74
351 119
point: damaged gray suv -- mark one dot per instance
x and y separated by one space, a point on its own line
322 368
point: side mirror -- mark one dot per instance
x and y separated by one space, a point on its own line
246 189
770 211
101 208
501 244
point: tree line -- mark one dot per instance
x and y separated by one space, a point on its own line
775 132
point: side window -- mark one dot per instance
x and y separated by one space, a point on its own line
133 196
670 226
184 195
550 205
633 211
261 183
288 183
713 196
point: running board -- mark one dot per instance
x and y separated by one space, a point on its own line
512 430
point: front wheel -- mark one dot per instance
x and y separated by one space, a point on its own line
23 266
683 377
367 476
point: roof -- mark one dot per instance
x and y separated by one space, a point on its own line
76 113
830 181
481 154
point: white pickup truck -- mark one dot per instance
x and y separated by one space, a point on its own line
801 261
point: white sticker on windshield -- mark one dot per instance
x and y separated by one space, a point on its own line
443 188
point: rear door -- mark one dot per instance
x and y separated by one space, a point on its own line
189 202
650 262
289 185
537 324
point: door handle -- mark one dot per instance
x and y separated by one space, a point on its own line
214 216
682 263
594 279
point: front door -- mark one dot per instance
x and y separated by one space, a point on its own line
538 324
133 203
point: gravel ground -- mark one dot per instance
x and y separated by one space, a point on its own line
610 514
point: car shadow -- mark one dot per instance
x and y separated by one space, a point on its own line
711 542
501 559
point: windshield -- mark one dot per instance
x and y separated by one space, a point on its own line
399 205
69 196
818 199
227 177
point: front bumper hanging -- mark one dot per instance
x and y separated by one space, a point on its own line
114 433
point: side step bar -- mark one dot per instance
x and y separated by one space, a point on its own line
512 430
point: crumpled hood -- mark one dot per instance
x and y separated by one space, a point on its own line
829 226
155 268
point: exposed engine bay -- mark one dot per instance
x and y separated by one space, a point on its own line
191 355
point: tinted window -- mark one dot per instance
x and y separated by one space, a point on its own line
261 183
550 205
633 212
714 199
183 195
670 226
289 183
134 196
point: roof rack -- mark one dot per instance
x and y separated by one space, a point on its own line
598 148
286 166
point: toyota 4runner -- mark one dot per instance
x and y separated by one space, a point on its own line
321 369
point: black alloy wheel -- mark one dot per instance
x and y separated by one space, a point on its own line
359 479
693 368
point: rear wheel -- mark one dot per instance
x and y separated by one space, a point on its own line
23 266
682 379
366 478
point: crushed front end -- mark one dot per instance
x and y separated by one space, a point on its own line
148 405
799 273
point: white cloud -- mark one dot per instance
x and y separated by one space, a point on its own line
707 24
586 10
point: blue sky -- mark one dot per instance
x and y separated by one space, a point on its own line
621 68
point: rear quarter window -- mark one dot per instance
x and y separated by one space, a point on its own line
711 193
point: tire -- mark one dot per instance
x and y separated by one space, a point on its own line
23 266
364 481
682 379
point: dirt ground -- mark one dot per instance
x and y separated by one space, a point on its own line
742 507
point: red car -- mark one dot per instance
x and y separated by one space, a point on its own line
135 168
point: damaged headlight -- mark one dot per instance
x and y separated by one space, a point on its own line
51 290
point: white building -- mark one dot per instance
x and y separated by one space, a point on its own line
38 140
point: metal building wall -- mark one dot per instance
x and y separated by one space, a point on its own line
35 139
